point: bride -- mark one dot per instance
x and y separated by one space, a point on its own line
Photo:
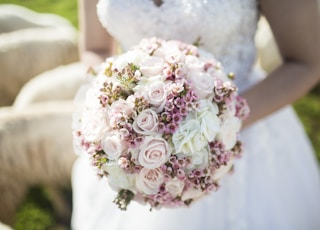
276 184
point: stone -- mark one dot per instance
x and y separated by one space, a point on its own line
36 148
61 83
14 17
27 49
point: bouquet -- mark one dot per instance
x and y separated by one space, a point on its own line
161 122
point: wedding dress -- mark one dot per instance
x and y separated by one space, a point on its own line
275 185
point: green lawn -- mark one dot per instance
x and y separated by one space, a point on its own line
36 211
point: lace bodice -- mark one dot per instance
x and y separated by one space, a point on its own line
225 27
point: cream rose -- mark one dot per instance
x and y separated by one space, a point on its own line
118 179
146 122
154 152
175 187
188 138
191 193
148 181
229 131
222 170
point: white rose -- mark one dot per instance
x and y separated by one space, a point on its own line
193 63
92 98
188 138
118 179
132 56
229 131
146 122
148 181
175 187
207 114
154 152
151 66
112 146
94 124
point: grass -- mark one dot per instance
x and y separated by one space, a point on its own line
308 109
65 8
36 211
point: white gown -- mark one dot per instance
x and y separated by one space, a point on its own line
276 184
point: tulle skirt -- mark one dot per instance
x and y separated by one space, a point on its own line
275 185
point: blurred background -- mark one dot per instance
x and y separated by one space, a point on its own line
42 42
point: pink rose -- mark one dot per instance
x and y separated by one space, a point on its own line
149 180
169 51
118 110
146 122
202 83
154 152
151 66
156 94
121 106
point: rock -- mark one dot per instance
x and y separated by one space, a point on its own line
35 148
33 43
15 17
24 54
60 83
36 143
